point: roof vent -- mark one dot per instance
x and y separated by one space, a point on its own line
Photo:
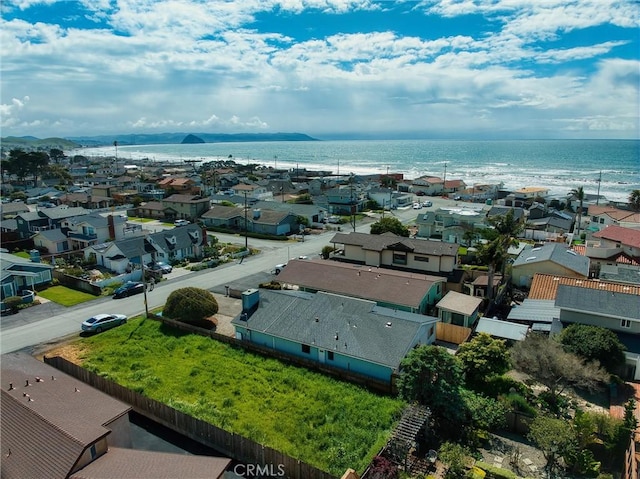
336 337
530 258
26 383
77 390
570 251
388 325
317 319
39 379
11 388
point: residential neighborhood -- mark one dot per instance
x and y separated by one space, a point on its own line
476 264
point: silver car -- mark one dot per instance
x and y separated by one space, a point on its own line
101 322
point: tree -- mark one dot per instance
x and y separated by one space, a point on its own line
394 225
634 200
594 343
455 457
483 357
483 412
555 437
549 364
432 376
190 305
56 155
493 255
578 194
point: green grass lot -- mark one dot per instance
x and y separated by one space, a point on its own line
327 423
139 220
65 296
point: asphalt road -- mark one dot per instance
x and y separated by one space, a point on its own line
48 323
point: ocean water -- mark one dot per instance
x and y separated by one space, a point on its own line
559 165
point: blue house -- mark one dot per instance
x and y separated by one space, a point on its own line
18 274
338 331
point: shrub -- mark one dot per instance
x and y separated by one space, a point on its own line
495 472
516 402
190 305
326 251
13 303
383 468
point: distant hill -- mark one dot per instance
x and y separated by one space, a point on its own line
189 139
33 143
177 138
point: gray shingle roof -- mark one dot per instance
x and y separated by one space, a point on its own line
61 212
55 235
223 212
502 329
360 326
600 302
557 253
535 310
386 240
185 236
128 463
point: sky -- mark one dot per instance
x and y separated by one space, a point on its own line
455 69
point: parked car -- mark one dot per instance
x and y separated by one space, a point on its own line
128 289
161 266
417 206
101 322
181 222
279 267
427 204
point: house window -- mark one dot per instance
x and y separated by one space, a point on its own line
306 349
330 355
399 258
424 259
431 331
625 323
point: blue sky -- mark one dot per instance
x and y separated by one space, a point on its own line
328 68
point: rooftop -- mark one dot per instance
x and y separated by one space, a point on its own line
545 286
459 303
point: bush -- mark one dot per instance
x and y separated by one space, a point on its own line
13 303
190 305
515 402
495 472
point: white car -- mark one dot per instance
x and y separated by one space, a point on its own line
417 206
279 267
181 223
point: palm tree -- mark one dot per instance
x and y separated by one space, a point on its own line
578 194
634 200
493 255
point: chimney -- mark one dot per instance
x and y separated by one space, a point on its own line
112 228
256 213
11 387
250 300
26 383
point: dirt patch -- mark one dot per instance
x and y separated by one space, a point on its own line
70 352
514 453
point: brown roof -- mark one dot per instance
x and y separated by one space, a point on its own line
375 284
133 464
545 286
180 198
152 205
224 212
64 414
625 236
483 280
386 240
614 213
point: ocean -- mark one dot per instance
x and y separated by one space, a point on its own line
559 165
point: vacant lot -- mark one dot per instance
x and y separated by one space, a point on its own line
319 420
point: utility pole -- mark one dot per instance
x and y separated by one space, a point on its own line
115 144
144 281
599 181
352 205
444 181
246 232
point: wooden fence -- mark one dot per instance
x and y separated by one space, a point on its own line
237 447
452 333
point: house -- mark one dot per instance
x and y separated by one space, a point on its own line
480 285
550 258
344 200
545 286
87 230
337 331
453 186
150 209
428 185
11 210
22 274
449 224
188 207
118 256
396 252
415 293
58 427
459 309
255 191
314 214
502 329
541 315
615 239
175 244
603 216
518 213
272 222
179 185
53 241
82 199
45 219
218 216
389 199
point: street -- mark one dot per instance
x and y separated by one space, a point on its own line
49 323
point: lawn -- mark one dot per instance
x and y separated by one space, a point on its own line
327 423
65 296
139 220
